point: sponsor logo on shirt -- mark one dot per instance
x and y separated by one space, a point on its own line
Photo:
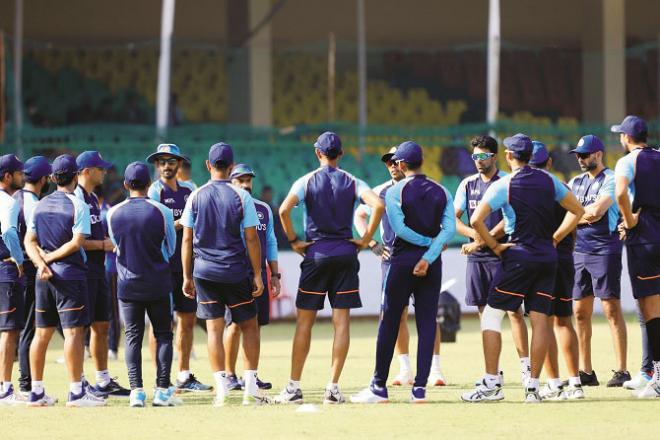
588 199
260 215
94 219
169 201
473 204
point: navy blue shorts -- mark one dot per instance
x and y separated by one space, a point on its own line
644 269
99 299
12 314
597 275
478 279
212 297
519 280
263 305
563 302
61 301
336 277
181 302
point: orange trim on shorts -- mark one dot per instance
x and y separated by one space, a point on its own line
7 312
648 278
510 293
241 304
312 293
208 302
348 291
72 309
545 294
566 299
40 311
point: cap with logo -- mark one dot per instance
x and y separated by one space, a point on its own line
9 163
65 164
633 126
519 143
37 167
241 169
588 144
91 159
388 156
166 150
408 152
137 173
540 154
328 142
221 152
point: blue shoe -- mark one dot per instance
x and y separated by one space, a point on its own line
418 395
112 389
192 385
84 400
264 385
233 384
41 399
138 398
93 391
372 394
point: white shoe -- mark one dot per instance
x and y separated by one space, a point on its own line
483 394
574 392
219 400
13 399
638 382
367 395
137 398
403 378
650 391
166 397
84 400
288 396
436 379
525 375
532 396
548 393
333 397
259 398
41 400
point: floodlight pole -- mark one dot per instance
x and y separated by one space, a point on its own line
18 76
164 66
493 80
362 74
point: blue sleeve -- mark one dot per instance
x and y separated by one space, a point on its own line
82 223
360 188
607 188
298 188
188 216
497 194
271 240
29 204
250 218
9 220
396 218
78 193
625 167
446 233
170 232
108 217
460 202
560 189
154 192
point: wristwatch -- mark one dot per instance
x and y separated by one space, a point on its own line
276 275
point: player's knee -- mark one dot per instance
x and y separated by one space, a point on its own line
491 319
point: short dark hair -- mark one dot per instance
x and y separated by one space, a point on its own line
522 156
484 142
413 166
332 155
136 185
221 165
64 179
31 180
641 139
541 165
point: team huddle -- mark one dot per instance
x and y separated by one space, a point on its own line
537 247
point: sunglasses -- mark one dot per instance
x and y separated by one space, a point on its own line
171 161
583 155
482 156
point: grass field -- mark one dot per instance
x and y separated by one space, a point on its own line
607 413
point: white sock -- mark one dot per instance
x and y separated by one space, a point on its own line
220 383
554 383
656 371
102 378
5 386
574 381
525 366
435 364
332 386
491 380
37 386
75 387
250 377
404 363
533 383
293 385
183 376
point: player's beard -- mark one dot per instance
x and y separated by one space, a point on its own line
589 166
45 188
485 170
169 173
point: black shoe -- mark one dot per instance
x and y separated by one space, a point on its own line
589 379
618 379
233 383
192 385
113 389
264 385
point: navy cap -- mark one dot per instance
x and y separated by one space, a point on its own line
221 152
519 143
166 150
588 144
10 163
137 173
241 170
328 142
632 126
37 167
409 152
65 164
540 154
91 159
388 156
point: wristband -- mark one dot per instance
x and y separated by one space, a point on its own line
294 240
276 275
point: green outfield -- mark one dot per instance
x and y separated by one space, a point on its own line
607 413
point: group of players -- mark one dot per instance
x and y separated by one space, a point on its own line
206 253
